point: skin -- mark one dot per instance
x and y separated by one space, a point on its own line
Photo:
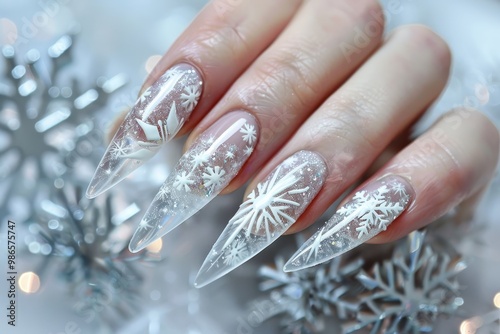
287 69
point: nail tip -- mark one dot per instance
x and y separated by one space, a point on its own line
136 247
206 276
290 267
92 192
200 283
89 195
138 243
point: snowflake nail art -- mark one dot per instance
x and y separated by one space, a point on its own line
202 172
269 210
368 213
155 119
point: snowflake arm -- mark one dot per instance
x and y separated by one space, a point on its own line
183 181
190 97
213 177
249 133
248 150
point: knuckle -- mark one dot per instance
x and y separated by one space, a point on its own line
353 115
436 152
365 13
423 37
486 133
213 40
287 78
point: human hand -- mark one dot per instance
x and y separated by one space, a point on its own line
303 96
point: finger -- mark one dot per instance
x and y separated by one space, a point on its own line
450 162
298 71
380 101
225 38
196 65
349 130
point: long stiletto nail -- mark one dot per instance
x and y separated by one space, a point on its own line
155 119
367 214
202 172
270 209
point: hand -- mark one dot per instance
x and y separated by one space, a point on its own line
303 96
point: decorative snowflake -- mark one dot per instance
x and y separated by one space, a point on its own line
213 177
88 241
403 293
249 133
145 225
373 209
163 193
248 150
265 207
144 95
210 140
46 125
165 130
236 253
198 159
407 293
190 97
119 149
229 155
400 189
308 297
183 181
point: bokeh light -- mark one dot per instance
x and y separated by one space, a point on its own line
29 282
496 300
156 246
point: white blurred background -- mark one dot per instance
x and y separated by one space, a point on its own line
116 36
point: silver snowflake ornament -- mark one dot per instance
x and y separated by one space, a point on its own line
46 125
407 293
306 299
87 242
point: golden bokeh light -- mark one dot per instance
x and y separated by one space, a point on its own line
156 246
496 300
29 282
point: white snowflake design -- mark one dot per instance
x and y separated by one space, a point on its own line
229 155
400 189
183 181
190 97
163 132
236 253
374 210
370 210
119 149
248 150
200 158
210 140
144 96
163 193
213 177
144 225
265 207
249 133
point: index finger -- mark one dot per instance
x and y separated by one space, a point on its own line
222 42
